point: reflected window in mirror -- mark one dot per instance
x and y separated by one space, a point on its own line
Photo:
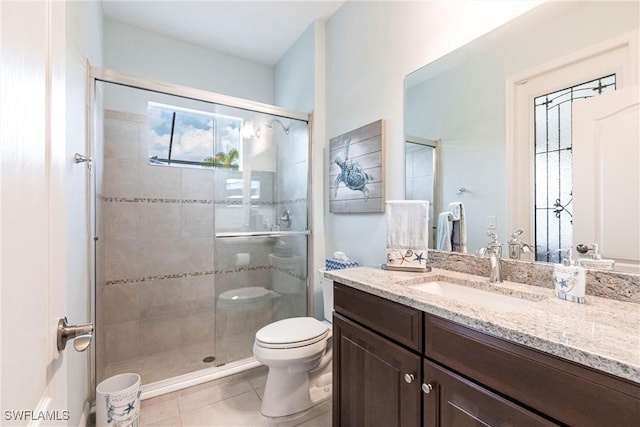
553 165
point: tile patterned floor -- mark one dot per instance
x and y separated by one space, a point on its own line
230 401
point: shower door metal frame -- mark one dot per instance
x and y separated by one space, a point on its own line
110 76
94 75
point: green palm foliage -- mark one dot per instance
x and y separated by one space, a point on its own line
222 159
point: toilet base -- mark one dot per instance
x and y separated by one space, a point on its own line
321 390
285 393
299 377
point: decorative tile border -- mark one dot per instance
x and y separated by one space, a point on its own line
197 274
162 277
147 200
291 202
195 201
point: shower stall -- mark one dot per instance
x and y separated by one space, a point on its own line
201 228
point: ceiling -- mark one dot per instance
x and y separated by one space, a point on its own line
261 31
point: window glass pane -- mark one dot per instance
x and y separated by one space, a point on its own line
565 125
227 142
552 128
540 127
541 180
541 235
191 138
553 165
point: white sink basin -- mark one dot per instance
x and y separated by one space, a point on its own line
491 300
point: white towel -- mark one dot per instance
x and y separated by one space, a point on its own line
407 233
445 230
459 227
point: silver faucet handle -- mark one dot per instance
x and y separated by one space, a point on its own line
494 237
515 234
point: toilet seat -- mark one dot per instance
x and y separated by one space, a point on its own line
250 293
292 333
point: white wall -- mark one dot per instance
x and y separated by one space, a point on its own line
294 74
371 46
134 51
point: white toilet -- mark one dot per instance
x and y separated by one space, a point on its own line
242 311
298 353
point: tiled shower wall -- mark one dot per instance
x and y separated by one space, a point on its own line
155 257
292 182
157 286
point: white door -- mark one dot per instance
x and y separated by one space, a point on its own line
32 269
606 175
618 56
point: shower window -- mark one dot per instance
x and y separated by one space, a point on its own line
190 138
553 165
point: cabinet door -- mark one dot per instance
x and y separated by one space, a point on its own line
456 402
369 386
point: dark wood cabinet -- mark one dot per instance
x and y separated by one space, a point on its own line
377 361
454 401
458 376
370 388
561 390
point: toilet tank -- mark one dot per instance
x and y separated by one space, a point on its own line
285 274
327 295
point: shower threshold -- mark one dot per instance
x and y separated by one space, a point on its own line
198 377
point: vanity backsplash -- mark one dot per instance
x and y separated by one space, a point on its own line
605 284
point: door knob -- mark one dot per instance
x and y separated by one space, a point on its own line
80 334
408 378
426 388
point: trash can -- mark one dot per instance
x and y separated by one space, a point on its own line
118 401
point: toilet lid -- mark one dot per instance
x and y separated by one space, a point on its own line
245 294
293 332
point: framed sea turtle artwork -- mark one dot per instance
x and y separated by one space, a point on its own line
356 170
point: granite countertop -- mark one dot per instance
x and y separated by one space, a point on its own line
602 333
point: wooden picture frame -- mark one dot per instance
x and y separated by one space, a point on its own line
356 170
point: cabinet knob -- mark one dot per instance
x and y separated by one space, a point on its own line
426 388
408 378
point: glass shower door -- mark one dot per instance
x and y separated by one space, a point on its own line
261 235
155 296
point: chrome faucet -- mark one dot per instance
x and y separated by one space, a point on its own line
494 252
516 247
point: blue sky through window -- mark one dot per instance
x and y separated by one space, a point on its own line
197 135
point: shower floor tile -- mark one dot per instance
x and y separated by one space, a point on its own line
229 401
167 364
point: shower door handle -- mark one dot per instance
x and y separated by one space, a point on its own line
80 334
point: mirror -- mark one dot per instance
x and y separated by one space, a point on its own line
459 100
422 177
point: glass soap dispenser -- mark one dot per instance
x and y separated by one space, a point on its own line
569 279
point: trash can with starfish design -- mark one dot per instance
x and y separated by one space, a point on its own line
118 401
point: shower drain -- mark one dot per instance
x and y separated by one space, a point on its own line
209 359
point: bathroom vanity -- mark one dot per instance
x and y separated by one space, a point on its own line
406 356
